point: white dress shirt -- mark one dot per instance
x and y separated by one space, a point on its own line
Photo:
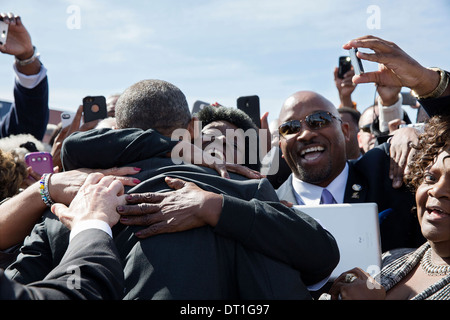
309 194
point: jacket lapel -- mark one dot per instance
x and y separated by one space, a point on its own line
286 191
356 189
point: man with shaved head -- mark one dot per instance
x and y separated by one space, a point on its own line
313 140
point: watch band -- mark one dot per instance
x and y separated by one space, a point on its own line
29 60
437 92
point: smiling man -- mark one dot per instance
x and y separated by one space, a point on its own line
312 140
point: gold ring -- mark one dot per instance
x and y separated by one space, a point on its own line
350 277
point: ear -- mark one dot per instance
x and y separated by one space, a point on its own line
346 131
360 142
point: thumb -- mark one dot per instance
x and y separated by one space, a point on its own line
175 183
60 210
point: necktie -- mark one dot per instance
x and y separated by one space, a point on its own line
327 197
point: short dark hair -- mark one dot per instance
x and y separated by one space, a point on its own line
155 104
355 114
235 116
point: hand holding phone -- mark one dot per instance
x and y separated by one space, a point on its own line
94 108
40 162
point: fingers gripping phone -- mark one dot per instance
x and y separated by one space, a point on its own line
94 108
40 162
356 62
345 64
250 105
3 32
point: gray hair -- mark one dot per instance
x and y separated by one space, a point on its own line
155 104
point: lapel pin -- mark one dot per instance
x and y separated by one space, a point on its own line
356 187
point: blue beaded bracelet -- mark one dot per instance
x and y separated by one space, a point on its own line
43 189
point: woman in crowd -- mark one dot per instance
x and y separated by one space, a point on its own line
423 273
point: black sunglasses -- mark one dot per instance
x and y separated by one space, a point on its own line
366 128
316 120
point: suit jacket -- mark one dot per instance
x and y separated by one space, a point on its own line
98 273
29 113
229 261
400 227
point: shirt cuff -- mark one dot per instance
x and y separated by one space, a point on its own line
30 82
90 224
388 113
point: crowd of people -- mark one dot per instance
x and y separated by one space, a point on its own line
147 204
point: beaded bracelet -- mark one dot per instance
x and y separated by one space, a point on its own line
43 189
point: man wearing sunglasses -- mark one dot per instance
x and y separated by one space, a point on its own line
313 140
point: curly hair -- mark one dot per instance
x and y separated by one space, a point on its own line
12 173
434 139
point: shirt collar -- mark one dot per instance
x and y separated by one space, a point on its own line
309 194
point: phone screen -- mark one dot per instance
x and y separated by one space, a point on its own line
345 64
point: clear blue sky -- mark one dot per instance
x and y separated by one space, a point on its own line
217 50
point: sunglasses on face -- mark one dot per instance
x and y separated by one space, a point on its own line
314 121
366 128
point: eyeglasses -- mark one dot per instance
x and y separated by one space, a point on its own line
366 128
315 121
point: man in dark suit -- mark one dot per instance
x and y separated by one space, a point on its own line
233 259
29 113
90 269
312 140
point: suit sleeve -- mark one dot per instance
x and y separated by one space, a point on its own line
295 238
29 113
90 269
110 148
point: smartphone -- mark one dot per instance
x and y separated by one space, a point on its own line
345 64
94 108
67 118
250 105
199 105
356 62
408 99
3 32
41 162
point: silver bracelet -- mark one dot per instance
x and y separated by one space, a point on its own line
29 60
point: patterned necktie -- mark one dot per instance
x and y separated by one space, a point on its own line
327 197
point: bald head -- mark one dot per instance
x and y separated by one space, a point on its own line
305 99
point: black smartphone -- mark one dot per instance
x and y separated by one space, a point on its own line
345 64
94 108
250 105
408 99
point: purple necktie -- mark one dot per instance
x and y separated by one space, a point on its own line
327 197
